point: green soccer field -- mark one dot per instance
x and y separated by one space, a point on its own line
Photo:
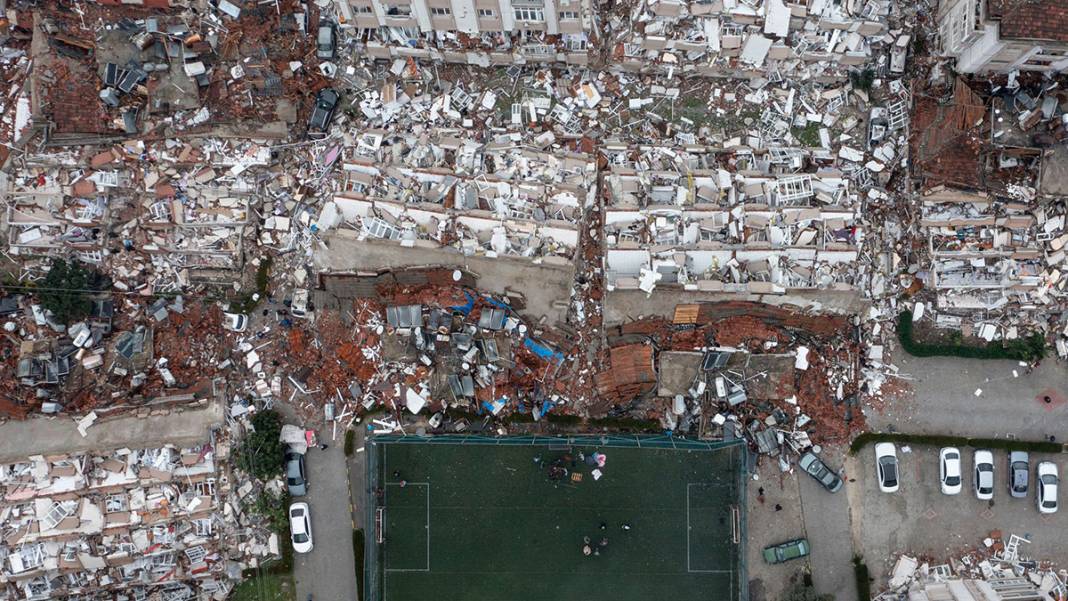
487 523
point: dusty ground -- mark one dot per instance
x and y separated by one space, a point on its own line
769 527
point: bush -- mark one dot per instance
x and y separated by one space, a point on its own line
860 572
357 554
65 290
1003 444
272 507
862 80
350 442
1027 349
261 453
247 302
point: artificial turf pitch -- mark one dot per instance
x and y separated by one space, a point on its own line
485 523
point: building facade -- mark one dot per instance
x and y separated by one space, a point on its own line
999 36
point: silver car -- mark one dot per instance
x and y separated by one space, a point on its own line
1019 473
819 470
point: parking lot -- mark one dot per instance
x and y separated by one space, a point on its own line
919 520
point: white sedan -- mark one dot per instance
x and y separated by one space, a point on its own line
300 527
984 475
886 465
949 470
1047 481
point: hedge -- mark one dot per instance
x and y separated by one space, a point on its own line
1003 444
350 442
1027 349
860 572
357 553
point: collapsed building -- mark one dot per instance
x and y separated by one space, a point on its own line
992 211
157 522
711 221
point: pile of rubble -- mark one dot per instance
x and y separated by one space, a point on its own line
777 378
997 570
439 352
162 523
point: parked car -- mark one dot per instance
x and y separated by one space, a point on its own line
326 41
819 470
786 551
886 464
300 527
323 112
1019 473
235 322
949 471
296 478
984 475
1046 481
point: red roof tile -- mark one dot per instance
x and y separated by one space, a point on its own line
1031 19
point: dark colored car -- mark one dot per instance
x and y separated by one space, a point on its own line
1019 473
819 470
296 479
323 113
786 551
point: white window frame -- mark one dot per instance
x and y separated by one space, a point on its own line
486 13
440 11
569 15
529 14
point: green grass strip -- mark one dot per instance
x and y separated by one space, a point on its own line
860 572
936 440
1027 349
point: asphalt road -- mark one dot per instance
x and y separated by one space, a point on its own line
328 572
945 401
828 527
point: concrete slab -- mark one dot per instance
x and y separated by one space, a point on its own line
546 287
189 426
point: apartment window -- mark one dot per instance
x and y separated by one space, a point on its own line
363 10
440 12
485 13
399 11
529 14
568 15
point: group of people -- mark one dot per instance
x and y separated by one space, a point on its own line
558 468
602 545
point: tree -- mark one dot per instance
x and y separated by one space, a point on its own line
65 290
262 452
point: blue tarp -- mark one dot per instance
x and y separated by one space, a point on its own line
465 309
543 351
